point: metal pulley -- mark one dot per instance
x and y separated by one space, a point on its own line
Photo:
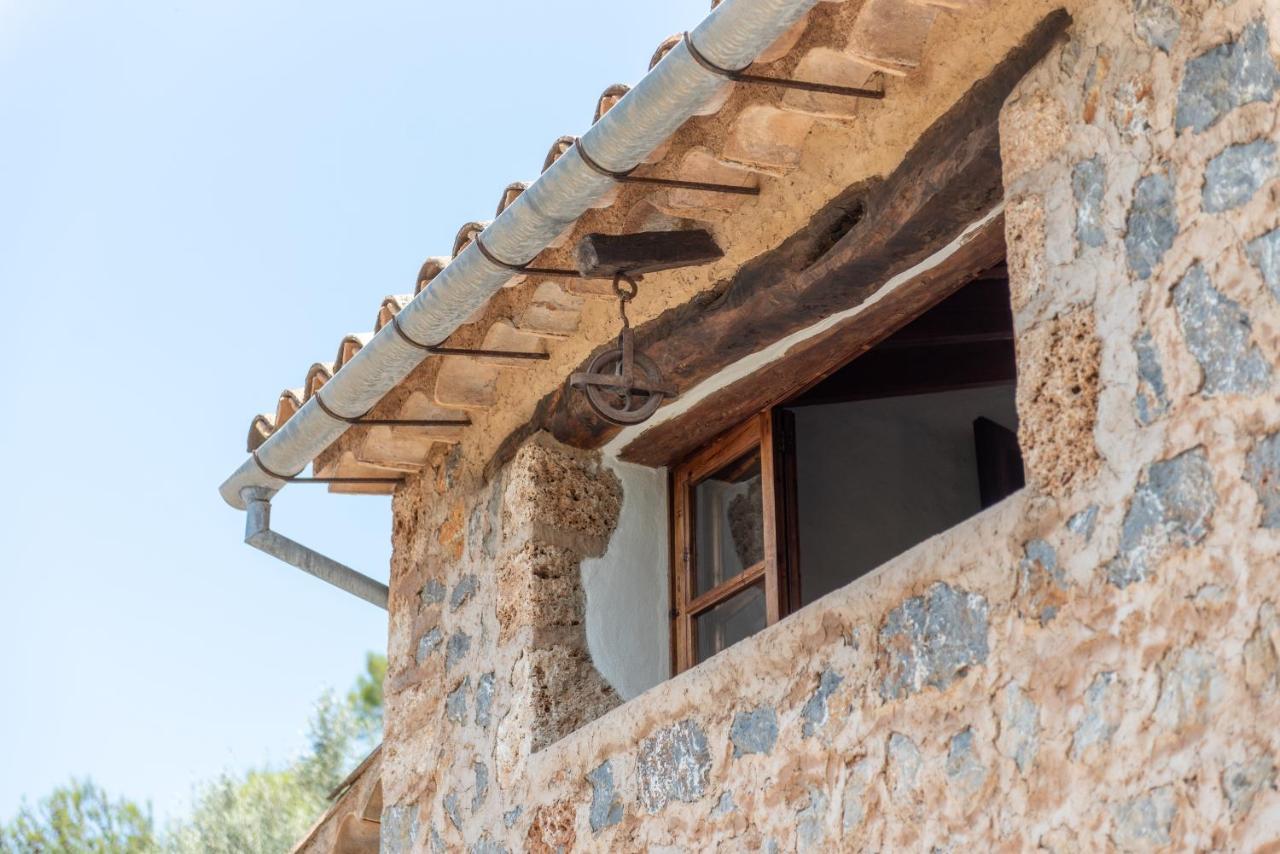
623 386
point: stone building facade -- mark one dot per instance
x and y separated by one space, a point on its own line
1092 663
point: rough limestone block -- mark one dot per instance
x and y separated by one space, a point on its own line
564 691
932 640
539 588
558 497
1058 401
673 764
1170 508
1034 128
1228 76
1152 224
891 34
825 65
1217 332
767 138
1262 470
1232 177
1025 254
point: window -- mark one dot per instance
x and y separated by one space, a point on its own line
905 441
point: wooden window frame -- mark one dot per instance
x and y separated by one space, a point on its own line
774 572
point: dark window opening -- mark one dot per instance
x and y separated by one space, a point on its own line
912 437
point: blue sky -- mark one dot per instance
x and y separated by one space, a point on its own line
197 200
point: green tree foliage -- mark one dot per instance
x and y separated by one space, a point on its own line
79 818
261 810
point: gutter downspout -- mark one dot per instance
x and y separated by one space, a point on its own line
671 93
258 533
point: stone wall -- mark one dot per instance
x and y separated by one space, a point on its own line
1092 664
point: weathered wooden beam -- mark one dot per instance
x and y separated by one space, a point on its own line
864 237
644 252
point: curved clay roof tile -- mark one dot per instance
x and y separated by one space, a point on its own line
558 148
510 194
608 98
466 234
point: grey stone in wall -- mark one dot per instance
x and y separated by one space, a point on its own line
432 592
811 820
1082 523
725 805
673 764
428 643
1041 582
966 774
606 805
815 708
932 640
1098 724
511 816
462 591
904 765
1262 470
1157 23
1152 224
486 845
1233 176
455 703
1171 507
482 784
1088 184
459 646
484 700
1228 76
1152 399
1145 822
437 844
1264 253
857 781
1242 781
754 731
1262 651
451 810
1019 728
1190 686
399 829
1217 332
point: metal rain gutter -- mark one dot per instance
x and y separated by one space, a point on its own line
671 93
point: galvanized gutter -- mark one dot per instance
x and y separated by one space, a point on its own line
672 92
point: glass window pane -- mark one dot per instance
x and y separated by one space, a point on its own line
728 522
735 619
